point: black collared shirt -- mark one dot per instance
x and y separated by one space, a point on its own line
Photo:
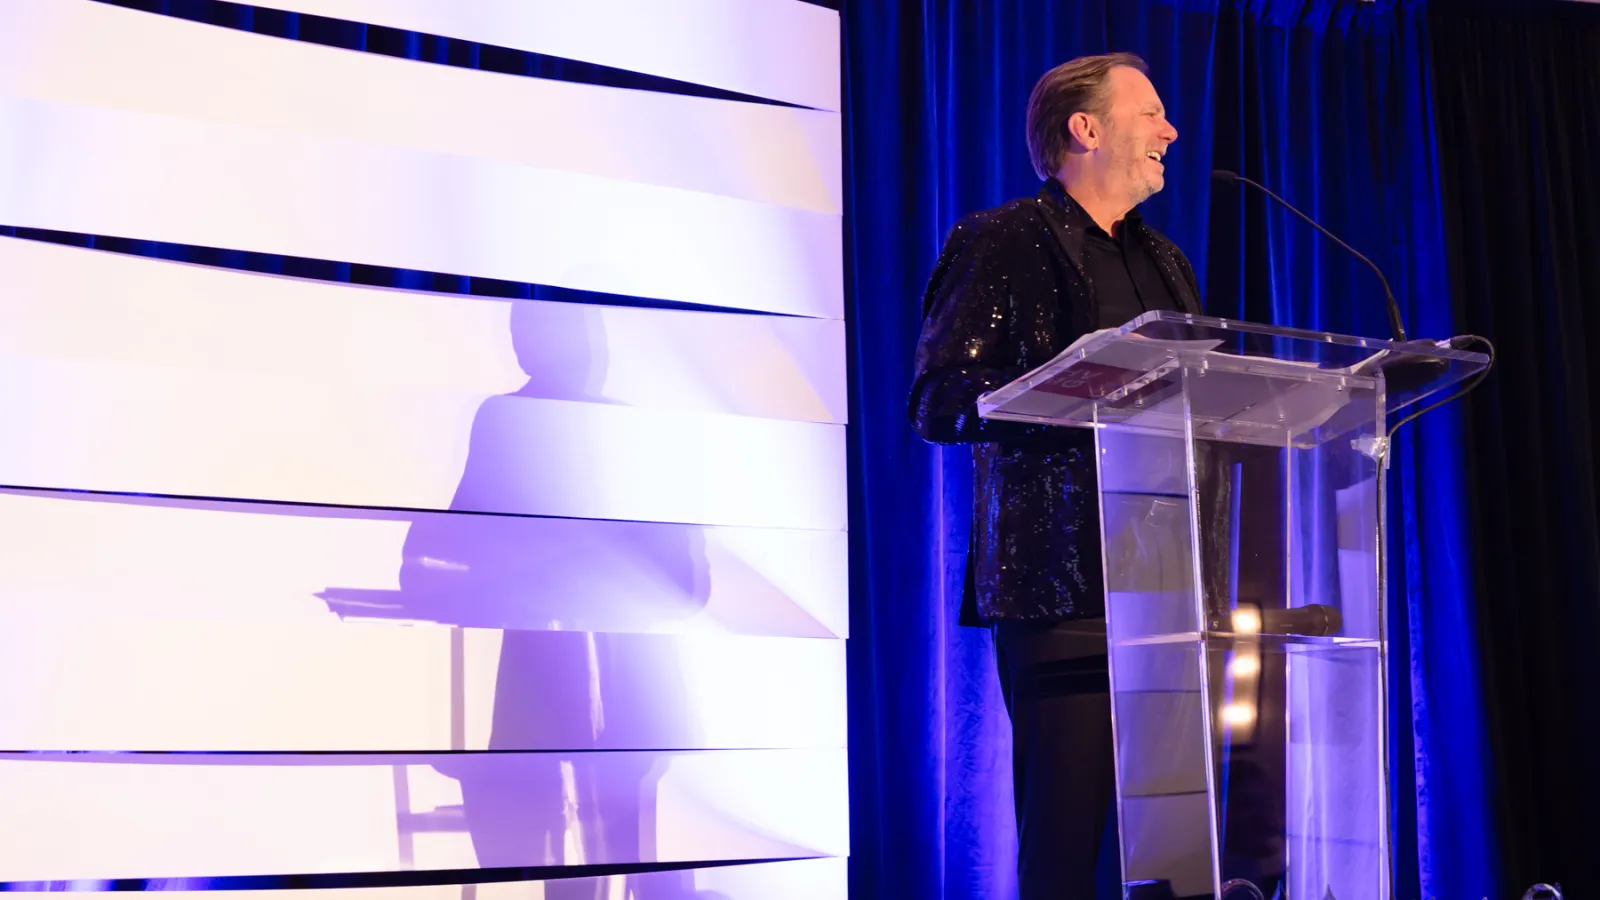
1126 281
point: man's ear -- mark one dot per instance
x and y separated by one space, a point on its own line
1085 130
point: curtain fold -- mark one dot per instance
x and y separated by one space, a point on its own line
1326 101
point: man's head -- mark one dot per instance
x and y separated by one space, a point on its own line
1097 123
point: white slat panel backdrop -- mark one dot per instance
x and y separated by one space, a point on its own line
801 879
311 579
777 49
77 556
750 151
109 685
72 304
96 170
91 815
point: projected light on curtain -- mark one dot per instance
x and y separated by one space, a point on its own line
428 591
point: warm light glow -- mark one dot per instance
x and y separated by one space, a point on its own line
1238 714
1247 621
1245 666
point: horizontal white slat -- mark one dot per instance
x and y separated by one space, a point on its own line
77 51
116 816
822 878
105 171
106 427
379 687
779 49
71 303
138 559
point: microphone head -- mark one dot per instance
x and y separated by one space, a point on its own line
1329 620
1225 175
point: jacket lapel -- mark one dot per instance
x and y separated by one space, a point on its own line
1055 208
1166 254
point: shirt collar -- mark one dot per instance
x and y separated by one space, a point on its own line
1075 216
1071 222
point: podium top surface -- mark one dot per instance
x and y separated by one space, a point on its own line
1170 372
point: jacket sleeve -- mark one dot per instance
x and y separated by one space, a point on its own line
966 348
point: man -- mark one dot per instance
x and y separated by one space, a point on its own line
1013 287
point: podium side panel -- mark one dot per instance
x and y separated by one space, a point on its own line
1157 682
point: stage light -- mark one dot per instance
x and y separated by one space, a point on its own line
1246 621
1238 714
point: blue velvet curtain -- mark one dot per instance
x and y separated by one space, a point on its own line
1325 101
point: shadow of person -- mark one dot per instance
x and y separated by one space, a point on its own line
522 572
579 676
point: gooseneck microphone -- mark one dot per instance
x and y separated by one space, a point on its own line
1395 325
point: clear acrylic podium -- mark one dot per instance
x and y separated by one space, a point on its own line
1241 507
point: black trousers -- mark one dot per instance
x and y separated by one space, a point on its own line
1057 690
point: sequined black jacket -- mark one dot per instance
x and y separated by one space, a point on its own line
1007 294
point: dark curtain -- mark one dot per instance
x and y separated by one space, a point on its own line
1518 97
1328 103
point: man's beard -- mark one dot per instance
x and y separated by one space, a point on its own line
1146 189
1141 185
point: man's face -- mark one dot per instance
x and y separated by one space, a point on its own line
1135 136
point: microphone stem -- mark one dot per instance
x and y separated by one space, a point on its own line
1395 325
